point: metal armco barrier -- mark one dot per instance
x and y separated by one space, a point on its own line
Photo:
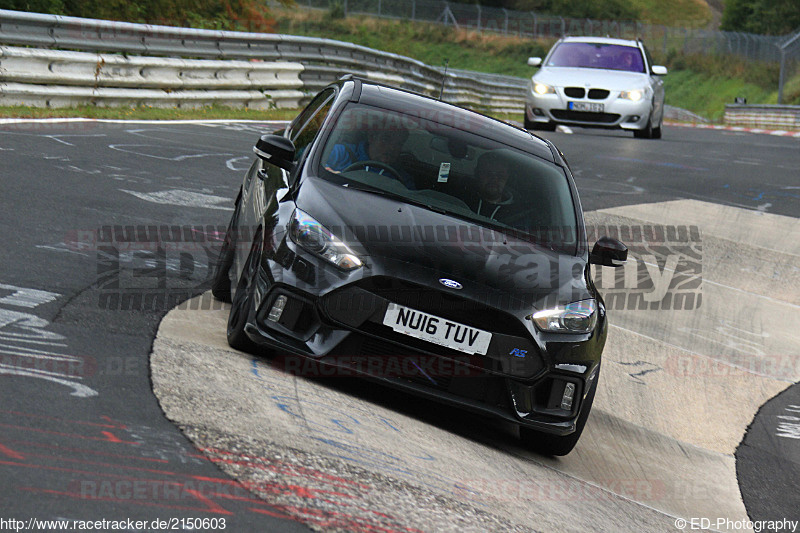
55 78
317 62
763 116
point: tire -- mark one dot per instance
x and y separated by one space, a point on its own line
221 281
528 123
646 132
542 126
548 444
657 132
242 305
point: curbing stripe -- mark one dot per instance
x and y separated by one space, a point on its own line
777 133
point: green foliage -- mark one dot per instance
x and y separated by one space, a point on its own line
55 7
769 17
764 75
336 9
593 9
248 15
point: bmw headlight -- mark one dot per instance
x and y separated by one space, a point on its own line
542 89
577 317
313 237
633 96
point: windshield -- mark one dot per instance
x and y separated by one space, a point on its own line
450 168
597 55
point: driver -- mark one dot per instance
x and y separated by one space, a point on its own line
380 146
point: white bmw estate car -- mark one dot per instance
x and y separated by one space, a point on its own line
597 82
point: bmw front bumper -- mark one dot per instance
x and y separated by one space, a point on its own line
610 112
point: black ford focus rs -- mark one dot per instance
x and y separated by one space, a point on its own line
391 235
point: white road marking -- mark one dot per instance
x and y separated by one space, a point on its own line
21 327
231 163
184 199
24 297
78 389
129 149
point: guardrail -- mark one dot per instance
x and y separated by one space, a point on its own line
321 61
763 116
54 78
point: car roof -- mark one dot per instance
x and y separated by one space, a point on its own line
418 105
603 40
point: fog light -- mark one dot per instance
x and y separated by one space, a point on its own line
634 118
566 399
276 310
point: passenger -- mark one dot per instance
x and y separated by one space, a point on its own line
493 199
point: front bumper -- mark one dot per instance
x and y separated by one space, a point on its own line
341 334
617 113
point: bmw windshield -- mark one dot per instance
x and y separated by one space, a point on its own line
451 169
597 55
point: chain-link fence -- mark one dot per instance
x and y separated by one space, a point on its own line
790 61
659 38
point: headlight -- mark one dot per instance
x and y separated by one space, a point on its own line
313 237
542 89
633 96
577 317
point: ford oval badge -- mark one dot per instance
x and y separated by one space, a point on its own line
450 284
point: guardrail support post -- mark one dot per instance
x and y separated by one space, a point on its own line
782 76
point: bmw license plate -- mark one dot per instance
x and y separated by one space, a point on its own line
586 106
437 330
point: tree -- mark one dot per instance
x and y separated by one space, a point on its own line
770 17
55 7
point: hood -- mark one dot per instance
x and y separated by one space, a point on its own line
591 78
421 246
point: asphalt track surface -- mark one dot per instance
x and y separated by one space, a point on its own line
85 438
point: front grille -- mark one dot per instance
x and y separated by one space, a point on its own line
574 92
386 357
585 116
598 94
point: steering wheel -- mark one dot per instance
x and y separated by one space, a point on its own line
391 172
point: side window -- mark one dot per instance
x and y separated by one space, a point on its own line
305 128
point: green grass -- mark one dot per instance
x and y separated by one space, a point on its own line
676 13
429 43
707 95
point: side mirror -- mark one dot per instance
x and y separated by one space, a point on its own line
276 150
658 70
608 252
534 61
